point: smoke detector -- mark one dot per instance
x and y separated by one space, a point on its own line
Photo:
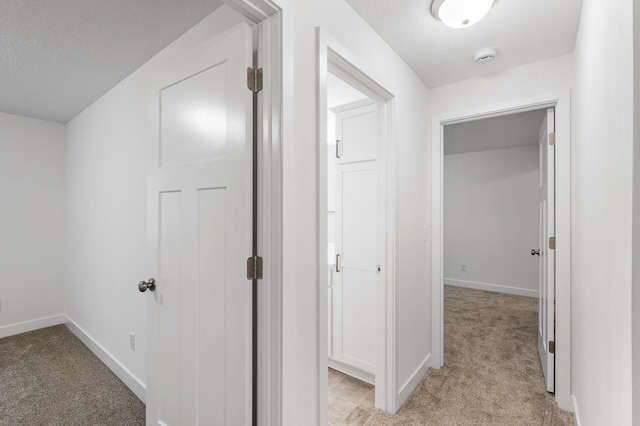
485 55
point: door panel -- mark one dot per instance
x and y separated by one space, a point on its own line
357 130
169 240
194 118
200 224
355 286
358 300
546 311
359 221
211 309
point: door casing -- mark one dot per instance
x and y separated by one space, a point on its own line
561 102
333 58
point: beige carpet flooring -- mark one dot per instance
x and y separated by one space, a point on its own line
48 377
492 373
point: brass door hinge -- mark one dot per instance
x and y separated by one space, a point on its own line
254 79
552 347
552 243
552 138
254 268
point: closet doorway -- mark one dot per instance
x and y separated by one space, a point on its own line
352 230
353 151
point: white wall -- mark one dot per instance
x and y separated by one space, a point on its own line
107 159
491 219
301 212
601 214
31 224
538 78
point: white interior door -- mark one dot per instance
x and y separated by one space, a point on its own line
200 222
355 293
546 312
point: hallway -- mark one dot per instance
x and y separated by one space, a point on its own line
78 126
492 373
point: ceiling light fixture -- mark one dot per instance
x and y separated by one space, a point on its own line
460 13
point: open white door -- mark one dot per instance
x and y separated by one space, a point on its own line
200 228
355 287
546 252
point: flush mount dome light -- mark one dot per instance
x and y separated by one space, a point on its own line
460 13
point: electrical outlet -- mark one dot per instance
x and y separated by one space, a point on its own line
132 341
463 267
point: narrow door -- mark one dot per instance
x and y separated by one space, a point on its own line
200 223
357 238
547 294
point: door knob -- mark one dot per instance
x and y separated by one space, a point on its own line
149 284
535 252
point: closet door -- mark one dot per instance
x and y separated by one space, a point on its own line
357 238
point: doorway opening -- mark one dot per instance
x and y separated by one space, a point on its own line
498 209
353 236
559 102
355 233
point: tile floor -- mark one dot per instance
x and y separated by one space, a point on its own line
351 402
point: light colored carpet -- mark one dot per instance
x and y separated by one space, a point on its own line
492 373
48 377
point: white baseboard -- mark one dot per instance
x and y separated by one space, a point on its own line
492 287
412 382
36 324
132 382
352 371
576 415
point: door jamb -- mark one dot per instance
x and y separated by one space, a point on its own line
561 102
332 57
268 16
270 292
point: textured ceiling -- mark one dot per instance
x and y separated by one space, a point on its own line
59 56
507 131
522 31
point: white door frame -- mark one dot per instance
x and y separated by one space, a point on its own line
268 16
561 102
332 57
